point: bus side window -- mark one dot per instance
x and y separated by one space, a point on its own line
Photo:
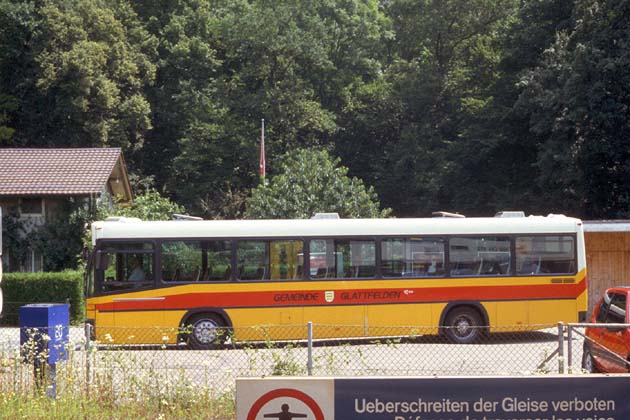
357 258
479 256
286 259
181 261
322 258
412 257
253 260
217 261
545 254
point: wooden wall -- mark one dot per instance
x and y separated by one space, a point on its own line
607 262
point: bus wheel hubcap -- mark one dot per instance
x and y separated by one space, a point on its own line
462 326
205 331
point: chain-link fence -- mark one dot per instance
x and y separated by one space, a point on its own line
111 368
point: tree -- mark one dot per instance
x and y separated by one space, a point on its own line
84 65
18 23
150 205
225 65
443 61
309 182
577 99
501 172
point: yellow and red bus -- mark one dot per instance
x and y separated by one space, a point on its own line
361 274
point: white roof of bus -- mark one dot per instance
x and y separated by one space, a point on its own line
134 228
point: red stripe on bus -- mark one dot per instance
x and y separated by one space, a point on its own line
351 297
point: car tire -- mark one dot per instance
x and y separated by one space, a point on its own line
588 364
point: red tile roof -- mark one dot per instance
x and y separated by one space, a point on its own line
56 171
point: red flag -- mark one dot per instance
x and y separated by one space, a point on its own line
261 166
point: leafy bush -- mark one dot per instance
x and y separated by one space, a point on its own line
148 205
58 240
25 288
312 181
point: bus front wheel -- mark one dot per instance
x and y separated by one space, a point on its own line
206 331
463 325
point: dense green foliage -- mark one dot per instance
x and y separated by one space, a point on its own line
463 105
149 205
58 241
311 182
25 288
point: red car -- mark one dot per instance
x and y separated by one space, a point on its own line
607 348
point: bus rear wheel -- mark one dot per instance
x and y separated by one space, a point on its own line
463 325
206 331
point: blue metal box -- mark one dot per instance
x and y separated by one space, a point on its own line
47 326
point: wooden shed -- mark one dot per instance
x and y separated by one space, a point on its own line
607 256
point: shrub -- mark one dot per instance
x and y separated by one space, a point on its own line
25 288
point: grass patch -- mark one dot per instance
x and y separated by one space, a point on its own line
38 407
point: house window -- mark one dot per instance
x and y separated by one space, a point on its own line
32 206
34 261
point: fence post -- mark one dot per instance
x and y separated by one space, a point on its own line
560 347
309 363
570 347
88 334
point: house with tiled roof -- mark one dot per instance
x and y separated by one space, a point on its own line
34 184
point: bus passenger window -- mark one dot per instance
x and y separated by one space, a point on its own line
322 258
479 256
358 258
253 260
181 261
219 261
545 254
286 259
337 258
412 257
